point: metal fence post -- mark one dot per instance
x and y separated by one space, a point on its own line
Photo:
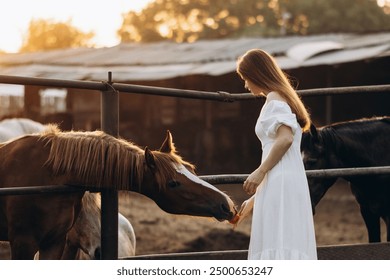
109 202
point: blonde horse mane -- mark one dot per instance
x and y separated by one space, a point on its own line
92 202
101 160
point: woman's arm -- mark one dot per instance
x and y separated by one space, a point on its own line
283 141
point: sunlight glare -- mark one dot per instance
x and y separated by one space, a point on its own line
164 30
382 3
101 17
385 5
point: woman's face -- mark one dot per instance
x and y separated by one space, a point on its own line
253 88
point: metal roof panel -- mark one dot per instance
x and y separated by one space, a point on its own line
163 60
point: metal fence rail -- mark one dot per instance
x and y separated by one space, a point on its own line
220 179
182 93
371 251
321 173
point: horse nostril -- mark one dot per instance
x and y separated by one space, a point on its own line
97 254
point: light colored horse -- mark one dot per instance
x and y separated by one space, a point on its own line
12 128
83 240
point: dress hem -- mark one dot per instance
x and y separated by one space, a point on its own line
280 254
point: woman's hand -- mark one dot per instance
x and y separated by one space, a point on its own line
253 181
245 210
246 207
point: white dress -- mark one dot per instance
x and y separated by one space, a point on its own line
282 222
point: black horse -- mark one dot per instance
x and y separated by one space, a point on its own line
359 143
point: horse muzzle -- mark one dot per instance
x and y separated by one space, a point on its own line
227 211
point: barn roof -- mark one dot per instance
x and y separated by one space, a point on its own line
164 60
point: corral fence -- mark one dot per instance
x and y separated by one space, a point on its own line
110 124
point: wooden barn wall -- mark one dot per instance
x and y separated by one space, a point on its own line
216 136
351 106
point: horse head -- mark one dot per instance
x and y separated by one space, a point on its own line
84 238
173 185
315 155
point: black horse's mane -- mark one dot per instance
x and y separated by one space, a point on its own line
360 122
345 133
361 126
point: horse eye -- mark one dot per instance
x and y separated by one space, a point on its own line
173 184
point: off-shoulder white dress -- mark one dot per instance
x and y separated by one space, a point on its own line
282 222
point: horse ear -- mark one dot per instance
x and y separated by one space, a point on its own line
316 139
168 146
313 133
149 159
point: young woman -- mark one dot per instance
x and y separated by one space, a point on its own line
282 222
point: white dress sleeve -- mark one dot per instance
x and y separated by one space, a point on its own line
275 114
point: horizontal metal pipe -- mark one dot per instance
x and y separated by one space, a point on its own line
18 80
212 179
194 94
345 172
370 251
45 189
182 93
225 178
125 88
322 173
344 90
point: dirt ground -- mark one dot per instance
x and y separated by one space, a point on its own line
337 221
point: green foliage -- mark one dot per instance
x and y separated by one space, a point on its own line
333 16
190 20
48 35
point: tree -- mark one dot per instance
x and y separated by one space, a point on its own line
48 35
333 16
190 20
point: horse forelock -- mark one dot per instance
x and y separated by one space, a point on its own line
91 202
167 165
50 129
95 158
85 232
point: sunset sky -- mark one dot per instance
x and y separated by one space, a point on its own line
103 17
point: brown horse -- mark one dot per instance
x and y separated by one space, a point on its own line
40 222
83 240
